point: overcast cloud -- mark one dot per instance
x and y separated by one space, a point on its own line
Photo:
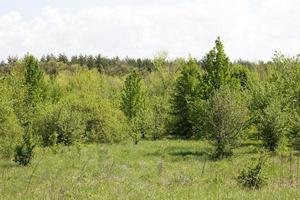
250 29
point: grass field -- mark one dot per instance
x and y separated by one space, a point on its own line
169 169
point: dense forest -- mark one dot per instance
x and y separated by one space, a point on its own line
62 101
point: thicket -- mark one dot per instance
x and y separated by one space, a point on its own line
95 99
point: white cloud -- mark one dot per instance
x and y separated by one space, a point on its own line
250 29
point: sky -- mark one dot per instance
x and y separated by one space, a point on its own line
250 29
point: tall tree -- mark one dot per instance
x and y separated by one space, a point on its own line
132 104
34 93
33 82
217 66
185 93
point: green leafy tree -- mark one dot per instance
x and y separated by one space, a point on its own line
34 93
271 117
132 103
159 85
224 119
33 81
185 93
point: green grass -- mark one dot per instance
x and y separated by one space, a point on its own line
127 171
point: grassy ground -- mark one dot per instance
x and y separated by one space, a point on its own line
169 169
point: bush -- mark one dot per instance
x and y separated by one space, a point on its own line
10 128
294 135
85 119
270 116
223 119
273 127
24 151
104 123
252 177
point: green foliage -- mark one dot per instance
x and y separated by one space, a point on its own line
217 66
274 104
252 176
81 119
185 94
273 126
132 105
243 77
294 135
24 151
102 169
224 119
132 96
33 81
78 101
159 85
34 93
159 116
285 76
10 129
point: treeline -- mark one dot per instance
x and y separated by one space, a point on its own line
86 99
52 64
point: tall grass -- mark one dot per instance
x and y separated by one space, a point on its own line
169 169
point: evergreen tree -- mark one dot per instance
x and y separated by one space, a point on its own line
63 58
185 93
217 66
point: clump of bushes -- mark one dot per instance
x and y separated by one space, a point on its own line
86 119
10 128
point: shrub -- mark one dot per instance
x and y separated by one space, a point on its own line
294 135
252 177
10 129
273 127
223 119
270 116
85 119
24 151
